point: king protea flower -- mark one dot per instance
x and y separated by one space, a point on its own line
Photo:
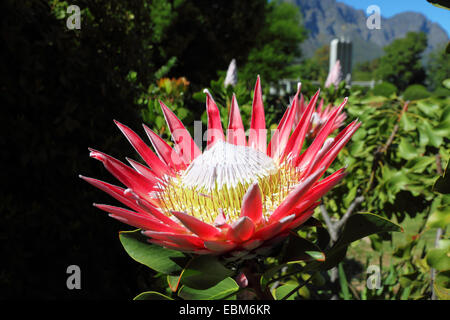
239 194
231 77
334 76
320 117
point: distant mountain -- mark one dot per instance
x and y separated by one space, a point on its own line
328 19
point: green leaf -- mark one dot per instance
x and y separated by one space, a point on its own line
151 295
357 147
182 113
343 282
443 129
155 257
323 238
428 136
361 225
407 123
446 83
409 279
419 164
406 291
428 107
204 272
271 272
407 150
439 218
443 4
333 257
299 249
221 290
316 255
404 251
199 96
283 290
444 244
391 279
312 222
439 259
173 282
265 278
442 285
442 184
159 121
358 226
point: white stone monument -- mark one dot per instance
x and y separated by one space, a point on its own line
341 49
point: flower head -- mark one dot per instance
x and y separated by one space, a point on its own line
334 76
231 77
239 194
320 117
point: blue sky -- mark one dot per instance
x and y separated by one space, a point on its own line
389 8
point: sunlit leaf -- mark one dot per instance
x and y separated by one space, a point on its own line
204 272
439 259
151 295
153 256
221 290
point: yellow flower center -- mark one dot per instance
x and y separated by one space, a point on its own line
217 180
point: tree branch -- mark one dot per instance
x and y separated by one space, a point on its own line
439 232
330 225
351 208
383 148
386 146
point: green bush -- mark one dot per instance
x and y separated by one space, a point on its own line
416 92
384 89
441 92
361 89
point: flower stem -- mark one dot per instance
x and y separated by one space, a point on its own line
254 282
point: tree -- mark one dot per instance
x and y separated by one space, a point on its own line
365 71
316 67
438 68
206 35
60 91
277 45
401 64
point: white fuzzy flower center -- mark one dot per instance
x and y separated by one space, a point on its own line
225 164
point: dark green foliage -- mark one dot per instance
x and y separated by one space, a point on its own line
384 89
316 67
277 45
444 4
401 63
393 161
415 92
441 92
365 71
438 68
362 90
61 89
209 277
206 35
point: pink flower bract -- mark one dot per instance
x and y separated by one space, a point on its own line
320 117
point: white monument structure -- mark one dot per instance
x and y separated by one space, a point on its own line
341 49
